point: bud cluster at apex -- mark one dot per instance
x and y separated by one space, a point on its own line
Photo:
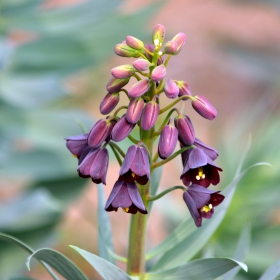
142 111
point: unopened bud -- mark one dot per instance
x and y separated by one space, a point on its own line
123 71
125 51
158 73
150 114
158 35
109 102
141 64
139 88
115 85
134 43
167 141
184 88
171 89
134 110
204 107
170 47
122 129
185 130
98 133
180 39
112 124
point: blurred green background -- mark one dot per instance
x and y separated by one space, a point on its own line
55 60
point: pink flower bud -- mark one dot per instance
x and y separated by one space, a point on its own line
134 110
141 64
150 114
139 88
125 51
171 89
170 47
134 43
158 35
123 71
109 102
185 130
115 85
184 88
158 73
167 142
150 48
204 107
122 129
180 39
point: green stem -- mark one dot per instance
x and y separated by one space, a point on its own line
116 154
152 198
132 139
137 77
174 103
167 60
117 148
143 74
119 109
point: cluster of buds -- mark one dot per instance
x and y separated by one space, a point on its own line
142 112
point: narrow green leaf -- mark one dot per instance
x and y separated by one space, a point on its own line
59 262
188 247
240 252
105 230
155 179
206 269
107 270
272 272
27 248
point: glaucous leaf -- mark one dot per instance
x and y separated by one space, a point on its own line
272 272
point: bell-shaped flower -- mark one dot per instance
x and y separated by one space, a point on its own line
209 151
139 88
185 130
136 165
134 43
134 110
158 73
77 144
109 103
126 196
95 165
204 107
171 89
150 114
200 169
180 40
167 141
121 129
115 85
141 64
201 202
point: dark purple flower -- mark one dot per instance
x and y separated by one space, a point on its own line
136 166
115 85
201 202
139 88
95 165
150 114
121 129
200 169
185 130
109 102
167 141
126 196
134 110
77 144
204 107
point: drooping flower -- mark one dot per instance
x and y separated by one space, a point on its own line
201 202
77 144
200 169
126 196
136 165
209 151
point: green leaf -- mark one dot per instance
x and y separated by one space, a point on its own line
107 270
105 231
155 179
186 249
59 262
240 252
272 272
206 269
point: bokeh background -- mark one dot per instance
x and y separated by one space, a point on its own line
55 60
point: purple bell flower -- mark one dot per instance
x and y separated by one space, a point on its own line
185 130
204 107
126 196
209 151
134 110
200 169
201 202
167 141
77 144
150 114
121 129
135 166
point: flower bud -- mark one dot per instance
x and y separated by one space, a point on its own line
170 47
204 107
171 89
112 124
134 110
185 130
139 88
98 133
150 114
158 73
134 43
184 88
123 71
167 141
125 51
122 129
109 102
141 64
180 39
158 35
151 48
115 85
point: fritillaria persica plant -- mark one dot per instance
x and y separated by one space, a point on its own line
144 112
